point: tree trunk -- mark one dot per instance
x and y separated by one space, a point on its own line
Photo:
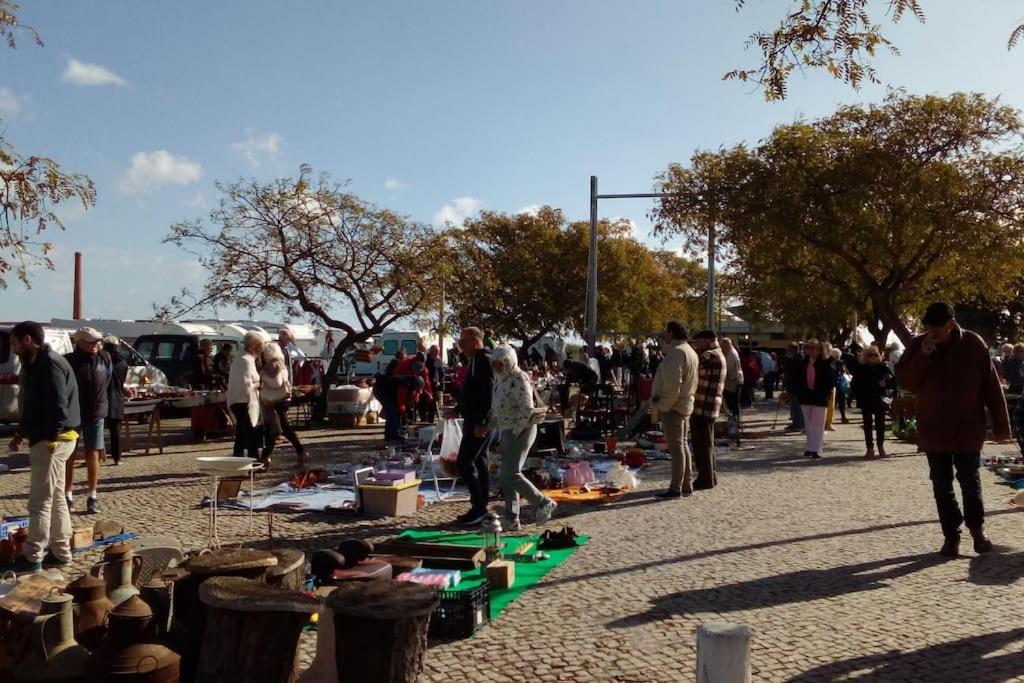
882 308
380 630
252 631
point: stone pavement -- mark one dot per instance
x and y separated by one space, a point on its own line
832 564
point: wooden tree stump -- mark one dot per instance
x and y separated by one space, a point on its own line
290 571
189 611
380 630
252 631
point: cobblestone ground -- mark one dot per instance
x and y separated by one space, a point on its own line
832 564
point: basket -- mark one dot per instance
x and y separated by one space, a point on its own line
460 614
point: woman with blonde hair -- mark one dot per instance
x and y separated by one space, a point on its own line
873 383
275 397
815 384
243 395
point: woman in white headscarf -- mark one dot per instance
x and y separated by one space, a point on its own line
515 414
275 395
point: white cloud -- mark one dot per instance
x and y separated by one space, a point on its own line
11 103
394 184
531 209
150 170
88 74
457 211
258 149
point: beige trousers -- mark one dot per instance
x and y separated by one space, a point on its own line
676 426
49 524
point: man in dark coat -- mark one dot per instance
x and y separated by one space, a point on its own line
93 371
475 405
952 374
115 395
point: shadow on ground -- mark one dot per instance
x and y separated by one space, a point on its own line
968 659
782 589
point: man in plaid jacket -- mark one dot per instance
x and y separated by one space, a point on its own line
706 405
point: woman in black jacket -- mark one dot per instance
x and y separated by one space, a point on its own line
815 381
873 383
115 395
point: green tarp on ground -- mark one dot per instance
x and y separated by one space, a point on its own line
527 573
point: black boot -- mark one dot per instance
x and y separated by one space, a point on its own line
981 543
951 548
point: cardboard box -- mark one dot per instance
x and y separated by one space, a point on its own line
82 536
501 574
390 501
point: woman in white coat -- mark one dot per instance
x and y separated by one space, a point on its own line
275 395
515 414
243 396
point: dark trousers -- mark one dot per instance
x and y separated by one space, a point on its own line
702 431
841 403
247 435
732 402
796 414
769 385
472 464
874 421
114 447
941 466
747 395
392 416
281 410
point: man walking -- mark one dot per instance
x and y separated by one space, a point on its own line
950 371
93 371
672 401
474 404
707 403
49 418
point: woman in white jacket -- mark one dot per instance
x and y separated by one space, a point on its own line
514 413
243 396
275 395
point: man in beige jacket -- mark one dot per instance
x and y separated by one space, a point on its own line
675 384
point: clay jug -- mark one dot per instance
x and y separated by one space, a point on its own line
91 609
128 653
55 656
116 570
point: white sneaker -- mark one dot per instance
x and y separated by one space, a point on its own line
511 524
545 511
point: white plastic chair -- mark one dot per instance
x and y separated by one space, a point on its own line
430 466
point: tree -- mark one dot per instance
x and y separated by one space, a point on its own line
305 247
840 36
895 204
517 274
524 276
30 187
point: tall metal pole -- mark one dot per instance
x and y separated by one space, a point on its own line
711 277
76 304
592 272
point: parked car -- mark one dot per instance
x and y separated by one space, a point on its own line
174 350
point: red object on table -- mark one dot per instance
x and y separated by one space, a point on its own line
643 388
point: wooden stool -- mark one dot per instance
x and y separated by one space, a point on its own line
380 630
252 630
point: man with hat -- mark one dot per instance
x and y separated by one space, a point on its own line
93 371
950 371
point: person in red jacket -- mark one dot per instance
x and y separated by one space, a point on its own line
750 362
409 395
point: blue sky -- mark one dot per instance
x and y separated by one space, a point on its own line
433 109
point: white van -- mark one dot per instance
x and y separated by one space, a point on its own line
390 341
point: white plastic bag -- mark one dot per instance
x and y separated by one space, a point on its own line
620 477
451 439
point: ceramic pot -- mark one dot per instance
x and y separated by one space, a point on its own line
91 609
55 656
127 656
116 570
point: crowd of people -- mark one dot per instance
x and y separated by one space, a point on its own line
67 402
